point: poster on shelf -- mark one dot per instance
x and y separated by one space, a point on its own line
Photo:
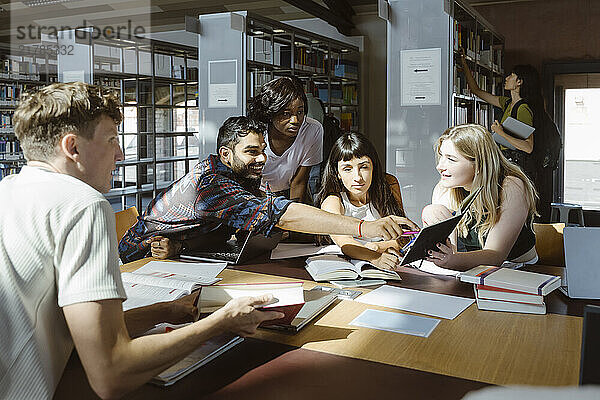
222 84
420 80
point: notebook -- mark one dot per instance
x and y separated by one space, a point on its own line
429 236
236 251
582 265
315 302
515 128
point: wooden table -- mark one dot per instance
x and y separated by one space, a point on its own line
474 349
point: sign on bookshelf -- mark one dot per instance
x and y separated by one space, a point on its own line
421 77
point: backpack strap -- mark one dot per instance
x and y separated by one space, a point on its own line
515 109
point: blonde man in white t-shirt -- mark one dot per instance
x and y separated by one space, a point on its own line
294 141
59 264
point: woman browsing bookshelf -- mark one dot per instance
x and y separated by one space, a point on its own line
498 225
354 184
527 105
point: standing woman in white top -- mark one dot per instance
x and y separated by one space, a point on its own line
294 141
354 184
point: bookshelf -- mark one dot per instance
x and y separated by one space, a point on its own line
157 82
263 49
158 85
276 49
484 52
20 71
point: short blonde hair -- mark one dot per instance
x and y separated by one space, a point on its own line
476 144
44 117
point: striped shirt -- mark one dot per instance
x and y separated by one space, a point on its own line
209 201
58 246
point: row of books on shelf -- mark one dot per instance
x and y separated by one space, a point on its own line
461 115
511 290
10 149
6 125
9 169
476 47
304 59
347 94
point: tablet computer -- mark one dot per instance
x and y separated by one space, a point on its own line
428 238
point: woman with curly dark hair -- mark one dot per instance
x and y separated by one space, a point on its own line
294 141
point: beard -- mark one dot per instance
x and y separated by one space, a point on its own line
245 175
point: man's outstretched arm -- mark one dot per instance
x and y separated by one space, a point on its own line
303 218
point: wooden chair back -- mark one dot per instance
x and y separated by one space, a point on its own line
549 244
124 220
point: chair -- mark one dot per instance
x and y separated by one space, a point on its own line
394 186
549 244
560 212
124 220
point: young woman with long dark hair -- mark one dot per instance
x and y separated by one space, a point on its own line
354 184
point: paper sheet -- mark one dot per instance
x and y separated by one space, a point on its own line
184 271
428 266
437 305
291 250
396 322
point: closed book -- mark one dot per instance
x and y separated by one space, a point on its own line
205 353
332 267
494 293
513 279
515 128
288 298
510 306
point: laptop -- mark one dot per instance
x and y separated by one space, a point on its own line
315 302
589 373
429 236
582 265
236 251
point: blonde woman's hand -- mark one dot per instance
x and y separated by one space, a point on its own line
445 256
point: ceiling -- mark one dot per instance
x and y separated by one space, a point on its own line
167 15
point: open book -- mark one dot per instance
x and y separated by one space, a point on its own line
160 281
331 267
288 297
207 352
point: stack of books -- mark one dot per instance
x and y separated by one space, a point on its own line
505 289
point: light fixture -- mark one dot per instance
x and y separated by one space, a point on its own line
37 3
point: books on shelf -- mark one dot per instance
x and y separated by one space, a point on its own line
159 281
513 279
494 293
288 297
205 353
509 306
332 267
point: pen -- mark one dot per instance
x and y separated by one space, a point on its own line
408 233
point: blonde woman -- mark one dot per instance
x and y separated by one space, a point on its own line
498 227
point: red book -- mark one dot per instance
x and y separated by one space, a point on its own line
495 293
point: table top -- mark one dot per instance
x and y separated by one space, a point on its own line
475 349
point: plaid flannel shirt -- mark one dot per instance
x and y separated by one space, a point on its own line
206 200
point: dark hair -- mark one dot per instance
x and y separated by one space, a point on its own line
274 97
43 117
355 145
235 128
531 89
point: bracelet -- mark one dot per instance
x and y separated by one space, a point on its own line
359 227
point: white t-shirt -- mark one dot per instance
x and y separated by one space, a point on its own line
366 212
58 246
306 151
